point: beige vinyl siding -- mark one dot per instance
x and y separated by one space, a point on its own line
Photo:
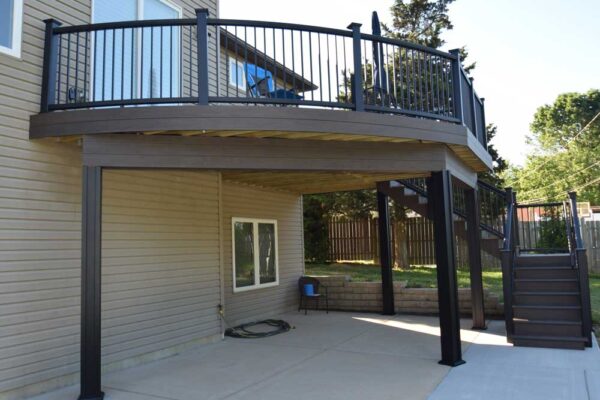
40 229
247 202
160 261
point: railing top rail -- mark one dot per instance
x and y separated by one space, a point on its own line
551 204
491 187
409 45
124 25
279 25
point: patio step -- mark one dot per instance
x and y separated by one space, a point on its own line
524 327
539 272
537 312
546 285
543 260
546 298
562 342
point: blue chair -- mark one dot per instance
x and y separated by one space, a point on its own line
310 290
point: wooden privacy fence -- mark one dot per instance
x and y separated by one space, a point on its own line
356 239
590 233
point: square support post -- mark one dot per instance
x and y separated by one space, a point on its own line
356 84
385 254
202 51
49 69
91 231
439 190
475 267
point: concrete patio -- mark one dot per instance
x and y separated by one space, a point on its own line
358 356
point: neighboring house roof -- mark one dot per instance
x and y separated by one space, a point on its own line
280 71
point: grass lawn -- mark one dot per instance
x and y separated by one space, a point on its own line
426 277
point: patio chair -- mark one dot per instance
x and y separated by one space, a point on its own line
259 87
313 293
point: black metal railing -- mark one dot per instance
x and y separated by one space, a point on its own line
579 259
205 60
508 255
542 227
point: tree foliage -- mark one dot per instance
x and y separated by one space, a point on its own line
422 22
566 139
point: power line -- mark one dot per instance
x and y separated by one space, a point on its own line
597 180
566 145
561 180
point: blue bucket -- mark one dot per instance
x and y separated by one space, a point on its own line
309 289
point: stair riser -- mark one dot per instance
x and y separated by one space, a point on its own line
544 261
546 300
546 329
553 344
545 274
547 314
546 286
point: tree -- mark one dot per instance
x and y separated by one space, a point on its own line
422 22
566 138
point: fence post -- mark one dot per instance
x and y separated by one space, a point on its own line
457 86
202 47
357 80
51 44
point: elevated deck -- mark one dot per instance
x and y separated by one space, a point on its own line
231 78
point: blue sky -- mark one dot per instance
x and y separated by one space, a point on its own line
527 51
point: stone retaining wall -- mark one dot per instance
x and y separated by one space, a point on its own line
345 295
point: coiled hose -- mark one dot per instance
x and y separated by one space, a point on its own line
241 331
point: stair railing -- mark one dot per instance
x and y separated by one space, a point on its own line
578 254
508 255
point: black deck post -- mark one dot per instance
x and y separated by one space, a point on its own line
90 284
439 190
475 267
357 79
51 43
202 50
385 254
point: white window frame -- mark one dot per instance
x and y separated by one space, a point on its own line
232 76
17 25
257 284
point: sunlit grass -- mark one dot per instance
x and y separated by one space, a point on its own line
416 276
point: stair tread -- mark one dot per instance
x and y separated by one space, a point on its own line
540 293
546 280
545 322
561 307
551 338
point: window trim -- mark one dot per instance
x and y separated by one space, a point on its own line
257 284
17 30
231 75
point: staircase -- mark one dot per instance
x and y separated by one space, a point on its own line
545 278
546 302
546 286
412 194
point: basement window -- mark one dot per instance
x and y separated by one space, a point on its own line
255 254
11 21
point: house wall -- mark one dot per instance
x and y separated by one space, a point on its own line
40 224
247 202
160 263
